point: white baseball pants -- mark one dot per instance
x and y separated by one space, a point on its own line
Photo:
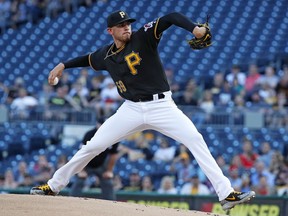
161 115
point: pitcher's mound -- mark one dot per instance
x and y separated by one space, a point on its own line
33 205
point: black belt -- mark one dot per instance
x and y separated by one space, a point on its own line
149 98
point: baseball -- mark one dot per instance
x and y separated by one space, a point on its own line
56 80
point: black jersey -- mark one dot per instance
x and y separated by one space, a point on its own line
136 69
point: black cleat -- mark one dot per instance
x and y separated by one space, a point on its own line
42 190
235 198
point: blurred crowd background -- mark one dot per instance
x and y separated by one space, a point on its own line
254 159
14 13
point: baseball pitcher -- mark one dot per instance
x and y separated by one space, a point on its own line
133 62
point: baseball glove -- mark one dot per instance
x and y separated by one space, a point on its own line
203 42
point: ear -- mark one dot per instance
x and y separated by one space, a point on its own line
109 30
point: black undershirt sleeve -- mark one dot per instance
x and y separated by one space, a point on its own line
81 61
177 19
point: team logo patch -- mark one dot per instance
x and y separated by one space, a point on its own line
149 25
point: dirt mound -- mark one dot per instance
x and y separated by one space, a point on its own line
32 205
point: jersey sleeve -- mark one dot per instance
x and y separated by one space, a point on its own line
155 28
96 60
151 29
150 32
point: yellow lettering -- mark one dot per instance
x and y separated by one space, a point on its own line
163 204
142 202
249 210
274 210
244 209
152 203
166 204
254 209
238 210
217 208
264 210
174 205
184 205
132 60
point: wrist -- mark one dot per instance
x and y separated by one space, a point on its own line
61 65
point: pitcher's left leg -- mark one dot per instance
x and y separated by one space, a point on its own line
174 123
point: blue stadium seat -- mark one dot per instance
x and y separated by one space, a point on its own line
71 35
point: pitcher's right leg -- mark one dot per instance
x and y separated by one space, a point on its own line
127 120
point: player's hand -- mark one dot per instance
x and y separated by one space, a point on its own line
56 72
203 36
108 174
199 31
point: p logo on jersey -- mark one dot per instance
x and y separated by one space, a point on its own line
132 60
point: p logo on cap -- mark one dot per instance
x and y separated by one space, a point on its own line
122 14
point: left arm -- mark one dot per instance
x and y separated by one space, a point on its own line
181 21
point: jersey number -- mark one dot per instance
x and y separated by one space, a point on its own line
121 86
132 60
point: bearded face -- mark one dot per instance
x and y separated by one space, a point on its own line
121 32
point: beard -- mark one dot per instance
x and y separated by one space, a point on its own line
126 38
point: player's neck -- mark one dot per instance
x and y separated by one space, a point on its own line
119 44
115 49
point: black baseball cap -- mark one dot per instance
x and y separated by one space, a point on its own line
118 17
